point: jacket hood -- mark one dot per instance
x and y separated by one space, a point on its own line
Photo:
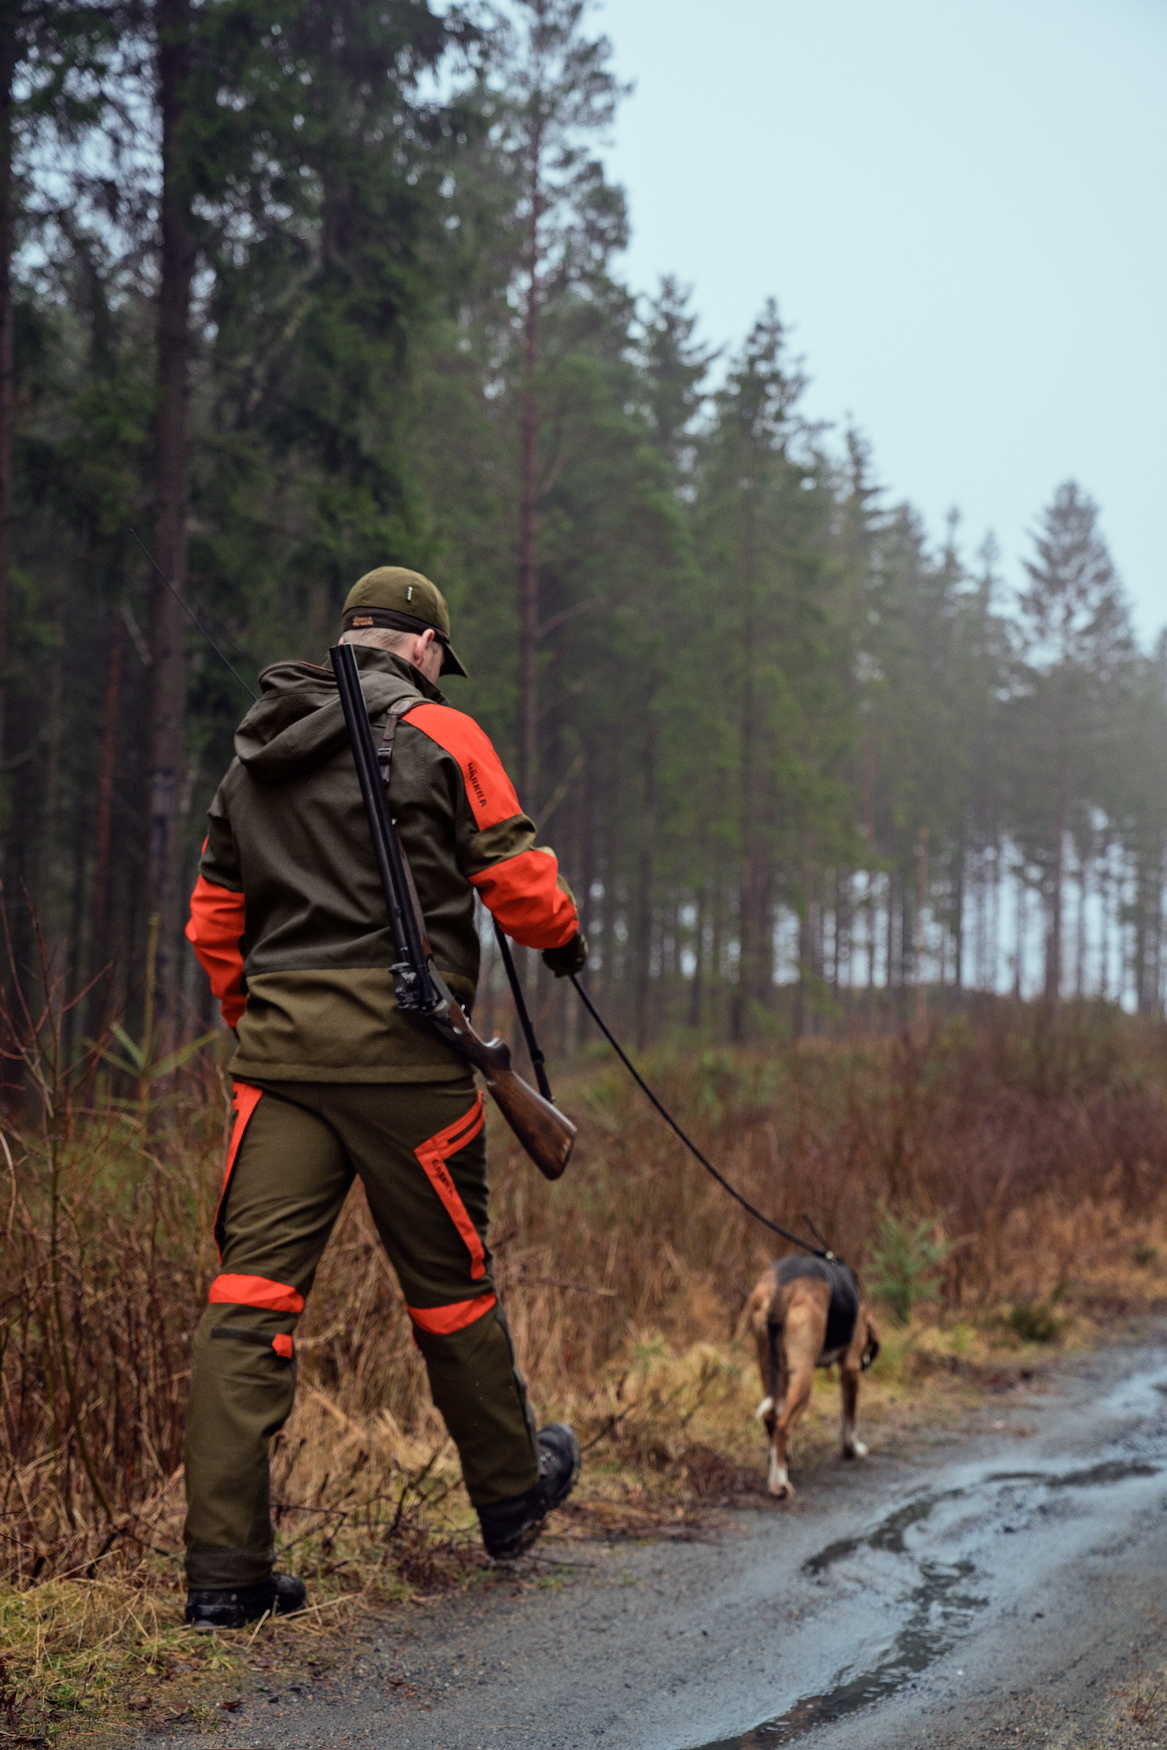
299 721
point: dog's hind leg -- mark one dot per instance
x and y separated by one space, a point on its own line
853 1447
764 1302
801 1344
863 1349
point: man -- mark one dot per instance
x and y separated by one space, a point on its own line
332 1081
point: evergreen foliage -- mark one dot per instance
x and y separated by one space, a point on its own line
800 767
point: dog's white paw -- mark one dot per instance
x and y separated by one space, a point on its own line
764 1408
778 1482
855 1449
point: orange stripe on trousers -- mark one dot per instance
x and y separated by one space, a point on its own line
256 1291
433 1155
442 1321
245 1099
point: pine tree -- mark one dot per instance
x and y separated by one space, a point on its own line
1077 643
559 96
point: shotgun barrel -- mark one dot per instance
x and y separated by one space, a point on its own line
544 1132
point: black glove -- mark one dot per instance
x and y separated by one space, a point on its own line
572 957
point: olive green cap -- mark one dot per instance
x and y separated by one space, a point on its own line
401 601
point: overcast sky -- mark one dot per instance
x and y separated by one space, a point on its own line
960 209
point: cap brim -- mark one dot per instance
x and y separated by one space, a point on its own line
451 662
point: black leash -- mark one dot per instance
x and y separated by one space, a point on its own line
538 1063
817 1251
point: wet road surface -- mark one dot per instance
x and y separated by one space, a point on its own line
990 1589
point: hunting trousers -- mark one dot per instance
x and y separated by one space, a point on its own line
420 1151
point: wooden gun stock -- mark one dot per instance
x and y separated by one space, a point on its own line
544 1132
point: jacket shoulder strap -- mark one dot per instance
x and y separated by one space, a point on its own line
397 711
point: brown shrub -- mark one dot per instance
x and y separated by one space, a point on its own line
1038 1146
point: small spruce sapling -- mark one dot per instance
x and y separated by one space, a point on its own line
906 1262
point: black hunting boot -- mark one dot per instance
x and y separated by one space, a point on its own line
510 1527
236 1606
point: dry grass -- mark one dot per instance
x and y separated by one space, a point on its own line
1036 1150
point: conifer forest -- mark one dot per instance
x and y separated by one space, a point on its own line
291 290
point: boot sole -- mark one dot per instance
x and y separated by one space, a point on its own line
531 1534
218 1628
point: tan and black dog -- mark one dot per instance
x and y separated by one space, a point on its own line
807 1313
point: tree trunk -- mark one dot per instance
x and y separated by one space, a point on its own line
1022 933
958 881
699 962
890 959
920 956
77 910
1053 941
995 921
9 20
48 885
608 907
805 962
644 909
528 507
1157 942
748 880
716 943
583 862
907 947
11 871
1080 948
869 787
105 784
1104 885
171 493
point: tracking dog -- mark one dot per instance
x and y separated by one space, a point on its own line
807 1313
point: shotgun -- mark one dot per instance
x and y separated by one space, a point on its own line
545 1134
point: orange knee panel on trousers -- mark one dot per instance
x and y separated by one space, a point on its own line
258 1291
443 1321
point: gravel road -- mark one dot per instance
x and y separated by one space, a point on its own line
991 1588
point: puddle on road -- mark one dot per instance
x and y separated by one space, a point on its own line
1116 1471
938 1613
938 1610
888 1535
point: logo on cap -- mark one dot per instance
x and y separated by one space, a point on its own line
362 619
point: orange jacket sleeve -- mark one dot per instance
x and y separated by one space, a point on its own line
518 881
530 899
215 932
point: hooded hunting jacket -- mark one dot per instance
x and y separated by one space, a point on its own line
287 915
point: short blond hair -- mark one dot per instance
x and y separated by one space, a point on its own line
380 638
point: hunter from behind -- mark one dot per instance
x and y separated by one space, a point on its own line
333 1080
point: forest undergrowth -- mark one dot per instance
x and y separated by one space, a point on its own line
997 1179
